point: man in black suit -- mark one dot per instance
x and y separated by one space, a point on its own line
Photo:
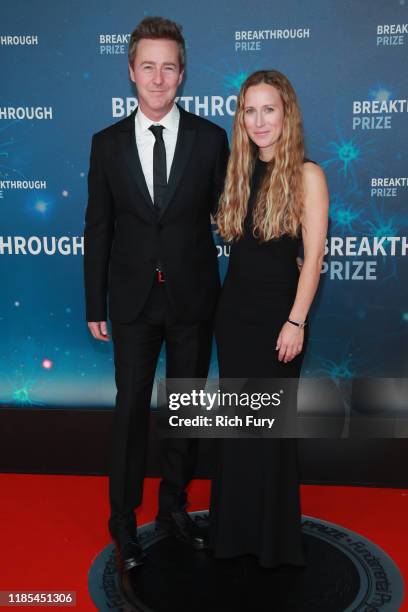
154 179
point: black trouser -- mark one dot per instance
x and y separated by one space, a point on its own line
136 349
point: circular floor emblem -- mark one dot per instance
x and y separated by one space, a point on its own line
345 572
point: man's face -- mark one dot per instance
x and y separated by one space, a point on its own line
156 73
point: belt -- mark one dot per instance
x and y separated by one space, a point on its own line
160 276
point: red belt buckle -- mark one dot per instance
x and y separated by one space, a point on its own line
160 276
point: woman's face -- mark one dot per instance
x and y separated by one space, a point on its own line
263 118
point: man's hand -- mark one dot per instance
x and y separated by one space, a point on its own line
299 262
99 330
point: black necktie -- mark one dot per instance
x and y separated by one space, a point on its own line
159 166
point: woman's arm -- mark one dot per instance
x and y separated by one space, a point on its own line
314 230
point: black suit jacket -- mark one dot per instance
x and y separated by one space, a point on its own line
124 235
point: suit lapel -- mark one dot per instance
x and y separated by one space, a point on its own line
184 145
129 150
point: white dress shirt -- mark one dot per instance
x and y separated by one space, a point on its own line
145 141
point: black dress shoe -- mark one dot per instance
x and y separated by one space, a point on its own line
180 525
129 553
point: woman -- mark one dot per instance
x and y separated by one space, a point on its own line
273 198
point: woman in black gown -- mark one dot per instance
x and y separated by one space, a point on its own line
273 198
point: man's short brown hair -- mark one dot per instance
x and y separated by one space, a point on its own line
155 28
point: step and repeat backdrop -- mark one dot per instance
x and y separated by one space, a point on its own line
65 76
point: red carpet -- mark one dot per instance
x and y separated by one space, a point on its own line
52 527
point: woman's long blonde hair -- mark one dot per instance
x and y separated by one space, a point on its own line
278 208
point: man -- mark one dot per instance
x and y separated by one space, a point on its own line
154 179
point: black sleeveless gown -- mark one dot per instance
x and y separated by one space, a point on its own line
255 506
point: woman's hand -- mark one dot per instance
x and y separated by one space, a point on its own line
290 342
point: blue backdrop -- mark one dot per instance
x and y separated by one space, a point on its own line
65 76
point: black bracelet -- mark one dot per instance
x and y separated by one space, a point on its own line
300 325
